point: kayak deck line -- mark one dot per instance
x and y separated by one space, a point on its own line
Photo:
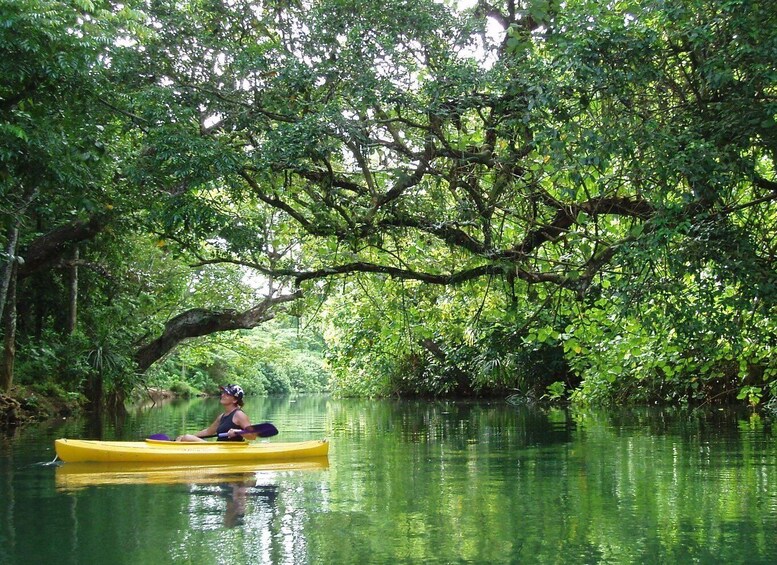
78 450
165 443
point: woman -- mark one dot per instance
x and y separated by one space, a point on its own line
232 421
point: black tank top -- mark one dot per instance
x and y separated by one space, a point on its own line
227 424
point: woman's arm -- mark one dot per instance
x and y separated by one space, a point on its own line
241 419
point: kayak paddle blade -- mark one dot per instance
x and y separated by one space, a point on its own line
262 430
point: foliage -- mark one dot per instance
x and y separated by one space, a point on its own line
396 337
482 201
275 359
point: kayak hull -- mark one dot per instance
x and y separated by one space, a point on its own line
77 450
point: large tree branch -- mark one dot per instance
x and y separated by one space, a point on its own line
49 249
499 262
198 322
566 216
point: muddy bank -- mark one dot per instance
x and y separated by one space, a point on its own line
21 407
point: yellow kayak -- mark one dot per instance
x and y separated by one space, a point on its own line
74 476
152 451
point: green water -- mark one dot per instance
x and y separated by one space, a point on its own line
415 482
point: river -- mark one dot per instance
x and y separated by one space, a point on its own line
409 482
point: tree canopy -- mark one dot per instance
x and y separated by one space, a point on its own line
516 197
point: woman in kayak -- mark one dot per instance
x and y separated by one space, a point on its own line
232 421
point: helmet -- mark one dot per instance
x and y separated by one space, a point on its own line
233 390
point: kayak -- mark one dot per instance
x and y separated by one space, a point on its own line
155 451
75 476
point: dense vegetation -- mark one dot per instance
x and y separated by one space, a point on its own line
568 200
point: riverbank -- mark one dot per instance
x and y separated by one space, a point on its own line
24 406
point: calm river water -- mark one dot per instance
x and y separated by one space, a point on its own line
410 482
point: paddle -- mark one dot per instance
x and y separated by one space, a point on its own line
265 429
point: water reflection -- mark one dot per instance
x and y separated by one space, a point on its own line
236 504
414 482
230 501
74 476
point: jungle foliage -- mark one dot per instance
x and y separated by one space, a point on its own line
529 198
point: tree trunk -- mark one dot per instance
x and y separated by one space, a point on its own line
8 267
94 389
10 248
199 321
72 314
9 337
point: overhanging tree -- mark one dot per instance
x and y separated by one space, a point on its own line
580 146
584 153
